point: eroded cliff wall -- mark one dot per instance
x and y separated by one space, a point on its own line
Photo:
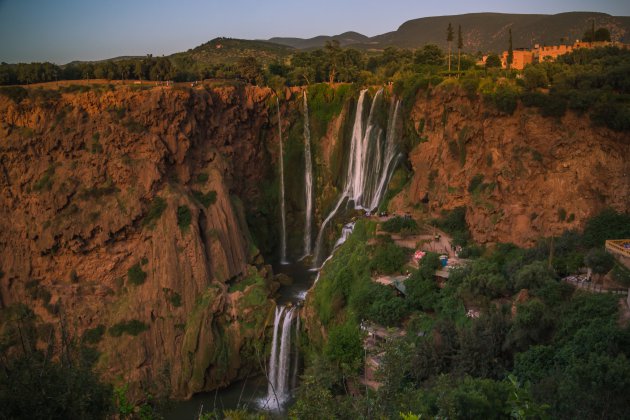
122 212
520 176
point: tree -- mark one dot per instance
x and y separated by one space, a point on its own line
599 35
32 385
600 261
535 77
449 39
249 69
460 45
345 346
510 54
333 56
493 60
602 34
430 55
139 70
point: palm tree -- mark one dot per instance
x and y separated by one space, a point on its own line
510 54
460 45
449 39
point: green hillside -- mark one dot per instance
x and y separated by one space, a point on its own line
345 39
489 31
230 50
481 31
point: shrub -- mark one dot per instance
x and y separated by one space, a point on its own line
206 199
429 263
397 224
388 310
505 99
344 345
202 178
562 214
94 335
388 258
554 105
422 292
96 147
45 183
475 182
470 83
134 126
15 93
612 114
135 275
133 327
158 205
74 278
600 261
532 276
535 77
97 192
184 217
581 101
175 299
533 99
621 275
606 225
454 223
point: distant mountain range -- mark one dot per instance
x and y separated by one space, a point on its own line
481 31
345 39
486 32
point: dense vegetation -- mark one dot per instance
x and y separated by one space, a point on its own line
538 348
592 81
35 385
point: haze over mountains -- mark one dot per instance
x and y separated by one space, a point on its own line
481 31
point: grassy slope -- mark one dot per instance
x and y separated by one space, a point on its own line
228 51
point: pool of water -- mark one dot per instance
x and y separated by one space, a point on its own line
242 394
252 392
303 279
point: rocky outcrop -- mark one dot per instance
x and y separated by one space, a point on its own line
521 176
124 208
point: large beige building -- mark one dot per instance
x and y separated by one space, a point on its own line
539 54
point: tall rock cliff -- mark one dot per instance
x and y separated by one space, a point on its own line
122 217
521 176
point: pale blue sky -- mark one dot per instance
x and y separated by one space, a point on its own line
64 30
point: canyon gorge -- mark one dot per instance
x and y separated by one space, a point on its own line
149 219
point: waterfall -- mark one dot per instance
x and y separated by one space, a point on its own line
391 156
296 355
372 160
308 181
278 388
273 359
283 216
345 234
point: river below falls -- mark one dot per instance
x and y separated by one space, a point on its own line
250 392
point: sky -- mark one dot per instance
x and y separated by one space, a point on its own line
61 31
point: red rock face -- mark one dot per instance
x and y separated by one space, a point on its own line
540 175
80 177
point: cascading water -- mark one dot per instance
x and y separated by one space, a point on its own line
372 161
373 158
308 181
296 355
345 234
278 389
283 216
